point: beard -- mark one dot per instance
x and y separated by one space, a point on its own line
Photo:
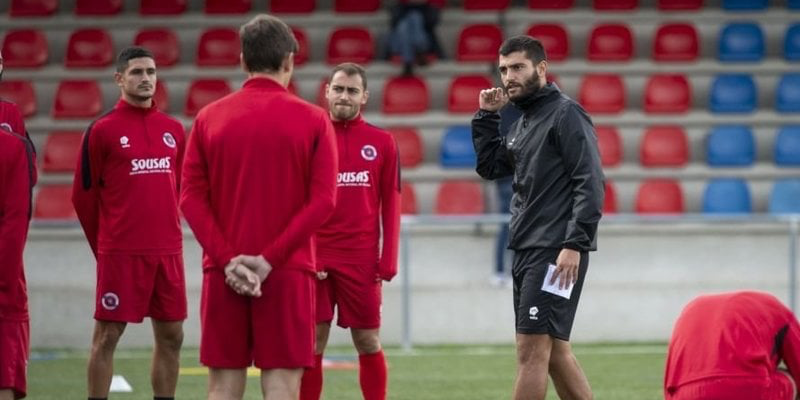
528 88
343 114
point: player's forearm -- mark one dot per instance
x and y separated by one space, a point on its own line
201 220
299 230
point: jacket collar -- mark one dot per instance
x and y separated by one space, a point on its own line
534 101
358 120
263 83
125 106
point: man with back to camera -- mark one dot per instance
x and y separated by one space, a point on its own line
259 180
551 151
728 346
11 120
367 213
125 193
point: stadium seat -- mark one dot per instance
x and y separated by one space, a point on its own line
408 199
669 5
600 93
350 44
162 7
218 47
787 95
356 6
54 202
610 42
484 5
659 196
610 199
667 94
610 144
457 150
791 43
459 198
744 5
479 42
664 146
322 100
741 41
228 6
204 91
615 5
464 92
405 95
409 145
292 6
793 4
161 96
727 196
24 48
554 39
550 4
33 8
98 7
732 93
730 146
162 42
21 93
89 47
77 99
303 51
785 197
787 146
675 42
61 151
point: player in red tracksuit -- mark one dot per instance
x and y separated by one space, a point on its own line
367 214
729 346
258 181
11 120
16 181
125 193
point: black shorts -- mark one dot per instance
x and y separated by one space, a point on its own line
537 311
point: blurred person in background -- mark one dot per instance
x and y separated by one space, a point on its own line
412 34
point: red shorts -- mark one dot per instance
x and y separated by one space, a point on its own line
779 387
130 288
354 291
273 331
14 342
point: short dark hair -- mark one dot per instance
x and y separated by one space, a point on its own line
532 47
129 53
350 69
266 41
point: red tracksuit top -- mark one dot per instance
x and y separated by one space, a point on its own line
12 121
733 335
259 176
16 181
368 187
125 189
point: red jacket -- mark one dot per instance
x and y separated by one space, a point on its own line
16 166
368 188
259 176
734 335
125 190
11 120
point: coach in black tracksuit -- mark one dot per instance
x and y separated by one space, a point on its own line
558 198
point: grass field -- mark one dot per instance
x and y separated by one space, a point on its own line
615 371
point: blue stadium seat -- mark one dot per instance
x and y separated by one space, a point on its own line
787 95
730 145
727 196
741 41
787 146
732 93
744 4
785 197
457 149
793 4
791 43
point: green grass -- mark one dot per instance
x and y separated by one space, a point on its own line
615 371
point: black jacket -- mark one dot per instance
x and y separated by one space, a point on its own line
558 179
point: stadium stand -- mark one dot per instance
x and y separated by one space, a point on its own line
664 146
787 146
610 42
350 44
554 39
24 48
457 149
21 93
730 145
479 43
218 47
660 196
77 99
610 144
727 196
459 197
675 42
61 151
53 202
409 145
785 197
98 7
162 42
742 41
89 48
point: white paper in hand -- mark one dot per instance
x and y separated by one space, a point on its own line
555 288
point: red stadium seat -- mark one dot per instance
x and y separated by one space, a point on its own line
675 42
77 99
409 145
610 199
664 146
162 7
600 93
204 91
483 5
610 42
24 48
33 8
292 6
408 199
356 6
550 4
667 94
554 39
218 47
405 95
61 151
659 196
162 42
89 47
610 145
669 5
479 43
228 6
350 44
302 54
54 202
464 92
21 93
161 97
459 198
615 5
98 7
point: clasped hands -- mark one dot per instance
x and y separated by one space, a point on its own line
244 274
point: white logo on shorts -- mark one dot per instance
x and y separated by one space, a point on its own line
110 301
533 311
